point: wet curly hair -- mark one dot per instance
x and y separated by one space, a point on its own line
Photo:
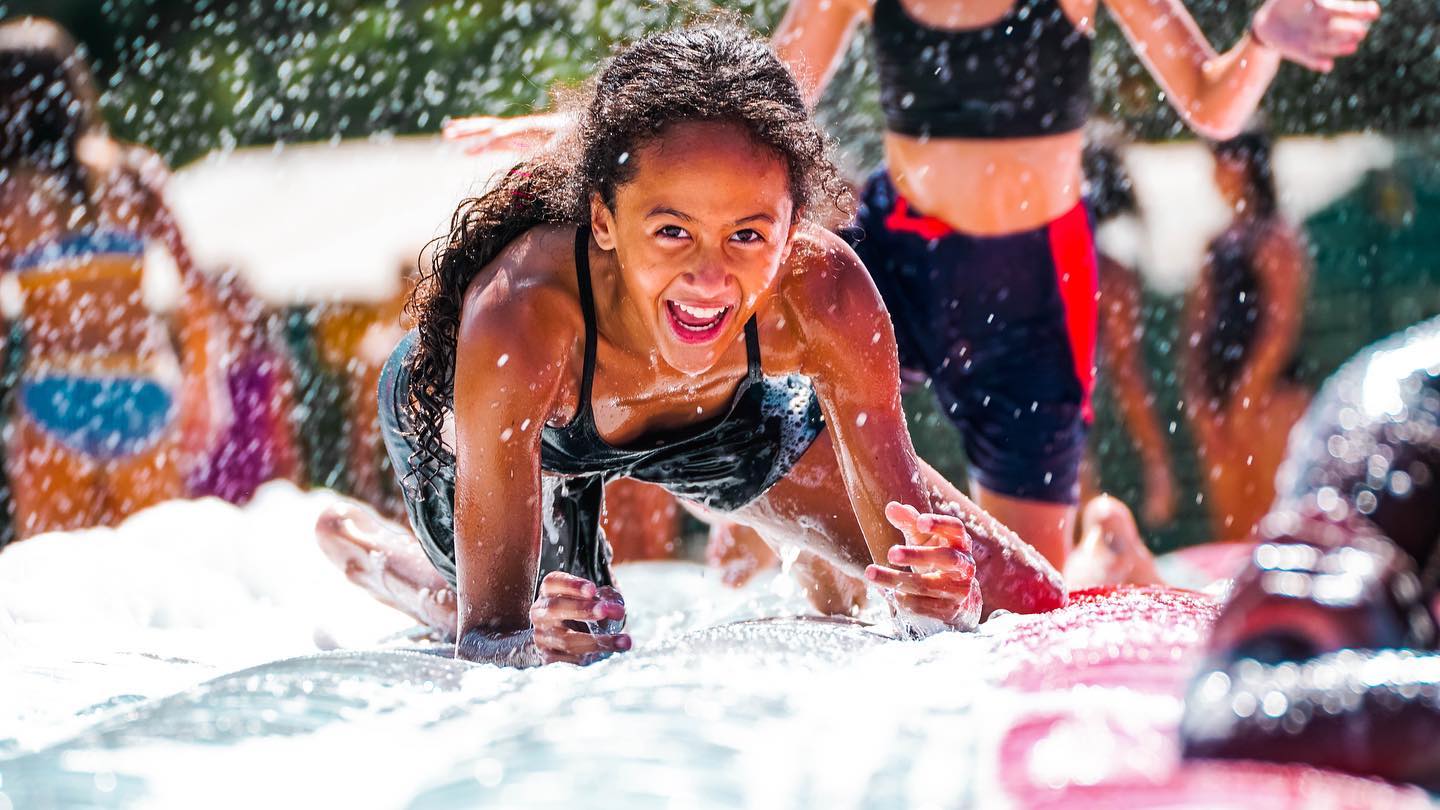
714 72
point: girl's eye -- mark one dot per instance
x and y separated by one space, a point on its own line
747 236
672 232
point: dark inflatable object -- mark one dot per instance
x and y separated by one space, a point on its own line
1326 653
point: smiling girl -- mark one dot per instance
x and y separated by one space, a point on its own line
653 300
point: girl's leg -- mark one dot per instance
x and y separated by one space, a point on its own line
739 552
386 560
641 521
55 488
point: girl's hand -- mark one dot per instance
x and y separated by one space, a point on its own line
565 618
1314 33
482 133
940 584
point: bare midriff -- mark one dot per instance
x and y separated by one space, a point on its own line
991 186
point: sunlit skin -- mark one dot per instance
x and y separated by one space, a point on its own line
707 222
1241 436
54 488
1018 184
1120 297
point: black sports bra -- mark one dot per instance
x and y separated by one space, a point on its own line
1027 74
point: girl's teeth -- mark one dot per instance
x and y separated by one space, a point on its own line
708 313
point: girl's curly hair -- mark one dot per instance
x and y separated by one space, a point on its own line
713 72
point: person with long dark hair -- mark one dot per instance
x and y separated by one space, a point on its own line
1242 331
653 299
107 415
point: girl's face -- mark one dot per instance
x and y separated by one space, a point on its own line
699 234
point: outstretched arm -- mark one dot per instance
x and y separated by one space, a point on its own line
812 37
1216 93
510 375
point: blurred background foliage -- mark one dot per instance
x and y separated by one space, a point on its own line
242 72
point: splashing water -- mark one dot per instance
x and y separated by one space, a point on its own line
144 690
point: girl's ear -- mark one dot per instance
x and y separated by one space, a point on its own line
790 235
602 223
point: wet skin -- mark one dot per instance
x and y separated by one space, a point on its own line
706 223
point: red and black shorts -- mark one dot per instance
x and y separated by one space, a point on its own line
1003 327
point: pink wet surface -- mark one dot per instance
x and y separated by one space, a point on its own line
1120 654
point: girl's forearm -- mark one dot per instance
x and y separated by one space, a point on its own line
1013 575
1230 88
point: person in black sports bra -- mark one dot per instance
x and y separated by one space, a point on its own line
974 231
648 301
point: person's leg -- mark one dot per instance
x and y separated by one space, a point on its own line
386 560
739 552
1046 526
641 521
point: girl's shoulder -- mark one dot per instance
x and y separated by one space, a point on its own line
531 283
823 271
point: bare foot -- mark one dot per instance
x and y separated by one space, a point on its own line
387 561
1110 551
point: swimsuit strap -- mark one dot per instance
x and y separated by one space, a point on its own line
587 308
752 351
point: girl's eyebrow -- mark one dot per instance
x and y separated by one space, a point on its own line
660 209
663 210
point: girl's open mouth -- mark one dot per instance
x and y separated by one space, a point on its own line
693 323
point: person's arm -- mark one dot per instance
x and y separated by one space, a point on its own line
521 133
1216 93
206 406
513 351
811 39
1283 271
1120 339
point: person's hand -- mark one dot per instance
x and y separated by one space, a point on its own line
1314 33
566 618
482 133
940 583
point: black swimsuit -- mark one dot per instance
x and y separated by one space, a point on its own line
723 464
